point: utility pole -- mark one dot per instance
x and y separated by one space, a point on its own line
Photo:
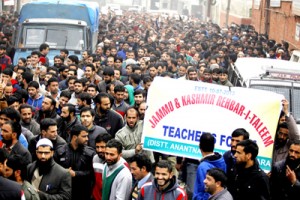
228 11
18 6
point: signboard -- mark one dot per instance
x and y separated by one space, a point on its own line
296 7
9 2
275 3
180 111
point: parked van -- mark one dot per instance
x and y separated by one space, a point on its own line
282 77
295 57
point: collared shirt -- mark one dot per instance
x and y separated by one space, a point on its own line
143 180
138 87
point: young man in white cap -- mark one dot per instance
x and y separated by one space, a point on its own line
50 179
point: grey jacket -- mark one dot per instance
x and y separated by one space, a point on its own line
223 195
55 184
130 138
33 126
281 153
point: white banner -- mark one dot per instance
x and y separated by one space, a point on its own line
180 111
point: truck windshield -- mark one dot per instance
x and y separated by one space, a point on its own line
291 93
71 38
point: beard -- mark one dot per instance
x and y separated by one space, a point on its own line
104 111
107 81
142 116
111 162
8 143
66 119
80 107
280 142
44 166
101 155
232 151
292 163
241 165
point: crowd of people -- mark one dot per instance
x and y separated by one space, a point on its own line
72 129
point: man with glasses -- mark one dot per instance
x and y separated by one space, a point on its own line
50 179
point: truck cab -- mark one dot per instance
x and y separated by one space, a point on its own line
282 77
61 24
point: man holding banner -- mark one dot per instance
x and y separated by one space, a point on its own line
285 177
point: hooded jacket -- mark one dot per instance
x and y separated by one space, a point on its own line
150 191
36 103
211 161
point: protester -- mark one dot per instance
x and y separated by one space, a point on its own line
133 50
76 157
285 175
8 189
250 182
140 168
215 183
164 185
116 179
49 178
210 159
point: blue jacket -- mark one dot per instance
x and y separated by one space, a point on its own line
207 163
36 103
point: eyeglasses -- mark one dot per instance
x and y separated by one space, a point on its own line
43 152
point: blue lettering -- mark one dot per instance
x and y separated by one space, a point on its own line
183 135
222 139
198 134
171 130
191 135
228 141
165 129
177 133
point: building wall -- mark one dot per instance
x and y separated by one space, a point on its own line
282 23
239 12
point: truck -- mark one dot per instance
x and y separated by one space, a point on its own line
62 24
280 76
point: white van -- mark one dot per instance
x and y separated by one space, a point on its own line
295 57
278 76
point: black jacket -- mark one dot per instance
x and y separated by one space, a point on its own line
250 183
40 115
81 161
9 190
55 184
20 150
64 128
281 187
93 133
112 122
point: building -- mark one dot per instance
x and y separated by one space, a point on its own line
280 19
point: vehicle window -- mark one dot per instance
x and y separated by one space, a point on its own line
56 36
34 37
68 38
